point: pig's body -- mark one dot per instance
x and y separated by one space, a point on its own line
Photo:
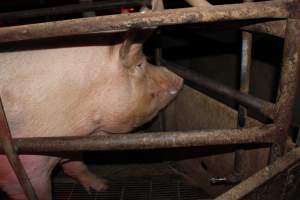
75 91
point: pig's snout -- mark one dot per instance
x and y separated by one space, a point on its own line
168 83
173 83
176 86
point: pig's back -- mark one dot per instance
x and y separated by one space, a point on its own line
40 88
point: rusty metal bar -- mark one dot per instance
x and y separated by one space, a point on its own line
14 160
262 106
257 10
261 177
276 28
288 82
69 9
246 61
162 115
156 140
159 5
298 138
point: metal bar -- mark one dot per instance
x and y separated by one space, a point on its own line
14 160
159 5
276 28
162 115
246 61
256 10
154 140
288 81
262 106
261 177
298 138
69 9
198 3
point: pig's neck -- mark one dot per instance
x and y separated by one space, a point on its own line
46 92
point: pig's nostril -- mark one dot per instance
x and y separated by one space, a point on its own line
176 87
173 92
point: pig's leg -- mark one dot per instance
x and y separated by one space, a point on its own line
38 169
79 171
41 186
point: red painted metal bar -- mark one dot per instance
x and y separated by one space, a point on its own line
14 160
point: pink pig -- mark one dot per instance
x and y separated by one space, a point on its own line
76 90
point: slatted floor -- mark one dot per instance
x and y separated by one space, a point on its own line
155 188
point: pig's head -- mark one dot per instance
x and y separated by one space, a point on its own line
137 89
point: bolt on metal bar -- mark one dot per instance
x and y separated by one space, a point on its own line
262 106
157 140
246 187
257 10
15 162
69 9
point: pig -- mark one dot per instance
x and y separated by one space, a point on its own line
77 87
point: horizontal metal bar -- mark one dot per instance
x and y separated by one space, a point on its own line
258 10
261 177
262 106
69 9
154 140
276 28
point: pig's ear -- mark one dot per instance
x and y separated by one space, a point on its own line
157 5
133 42
135 38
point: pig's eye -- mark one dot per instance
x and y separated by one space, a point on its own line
139 65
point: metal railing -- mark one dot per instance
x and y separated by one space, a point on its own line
280 112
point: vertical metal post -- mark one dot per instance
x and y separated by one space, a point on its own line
298 138
246 61
244 87
159 5
287 86
161 116
14 160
